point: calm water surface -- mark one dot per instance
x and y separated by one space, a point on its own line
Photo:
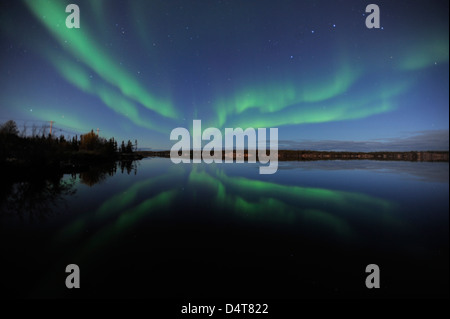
160 230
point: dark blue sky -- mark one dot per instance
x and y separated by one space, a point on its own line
138 69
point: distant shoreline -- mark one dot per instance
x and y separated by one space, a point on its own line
85 161
306 155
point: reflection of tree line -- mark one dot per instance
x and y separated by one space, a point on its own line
98 174
35 196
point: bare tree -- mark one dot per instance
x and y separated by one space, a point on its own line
9 127
33 130
43 130
23 133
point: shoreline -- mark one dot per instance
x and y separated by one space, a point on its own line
82 162
77 163
305 155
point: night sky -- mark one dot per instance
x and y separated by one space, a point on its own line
138 69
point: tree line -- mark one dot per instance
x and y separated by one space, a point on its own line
47 148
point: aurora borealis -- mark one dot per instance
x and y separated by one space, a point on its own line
138 69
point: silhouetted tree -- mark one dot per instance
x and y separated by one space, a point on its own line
10 128
129 148
89 141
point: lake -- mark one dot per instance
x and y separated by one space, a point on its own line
153 229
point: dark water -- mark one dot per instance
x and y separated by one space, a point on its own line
160 230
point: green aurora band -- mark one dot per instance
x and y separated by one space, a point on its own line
116 101
83 46
271 105
431 49
292 97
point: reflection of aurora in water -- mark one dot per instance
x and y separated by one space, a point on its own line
308 209
205 221
260 200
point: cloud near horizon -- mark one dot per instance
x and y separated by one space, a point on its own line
432 140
